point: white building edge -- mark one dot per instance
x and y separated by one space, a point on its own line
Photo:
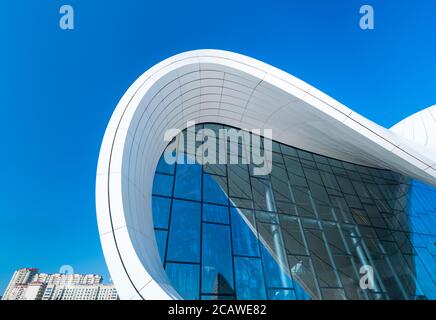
235 90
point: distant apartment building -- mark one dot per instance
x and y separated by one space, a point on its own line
30 291
15 287
80 292
68 279
29 284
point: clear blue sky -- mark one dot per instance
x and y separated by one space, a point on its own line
59 88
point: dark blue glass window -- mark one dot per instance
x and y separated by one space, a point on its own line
213 191
317 219
215 213
217 269
188 182
161 212
215 297
300 294
163 185
185 278
250 283
244 238
276 273
281 294
184 239
164 167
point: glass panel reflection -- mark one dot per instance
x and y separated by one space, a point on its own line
217 269
302 232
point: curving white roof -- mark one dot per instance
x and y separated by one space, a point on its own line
235 90
420 128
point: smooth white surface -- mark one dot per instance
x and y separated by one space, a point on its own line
235 90
420 128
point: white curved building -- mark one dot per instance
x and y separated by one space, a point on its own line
420 128
220 87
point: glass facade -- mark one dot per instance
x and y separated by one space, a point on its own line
308 230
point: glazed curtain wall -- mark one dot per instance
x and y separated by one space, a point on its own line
302 232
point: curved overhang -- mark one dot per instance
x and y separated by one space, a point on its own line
235 90
420 128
